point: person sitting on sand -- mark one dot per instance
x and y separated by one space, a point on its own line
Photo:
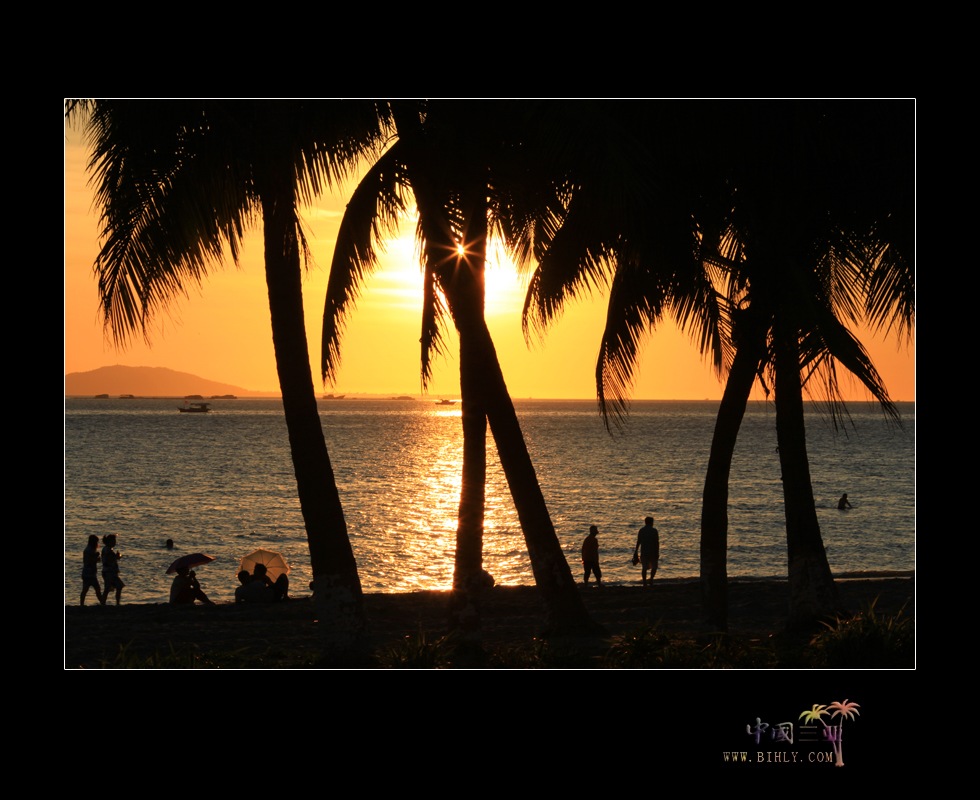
251 591
844 502
260 588
279 587
186 589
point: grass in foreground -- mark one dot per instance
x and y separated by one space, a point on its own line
865 640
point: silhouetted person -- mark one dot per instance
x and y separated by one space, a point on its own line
251 592
170 544
242 593
590 556
844 502
260 588
110 567
186 589
90 569
648 549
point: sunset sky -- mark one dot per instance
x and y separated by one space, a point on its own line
221 331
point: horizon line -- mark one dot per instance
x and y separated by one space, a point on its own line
260 395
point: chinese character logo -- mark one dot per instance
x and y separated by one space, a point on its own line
834 734
781 732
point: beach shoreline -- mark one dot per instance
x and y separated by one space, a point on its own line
513 616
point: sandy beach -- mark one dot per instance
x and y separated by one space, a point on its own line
285 634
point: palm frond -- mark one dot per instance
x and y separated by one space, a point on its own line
826 343
437 234
638 299
373 213
890 292
160 231
335 139
433 321
574 265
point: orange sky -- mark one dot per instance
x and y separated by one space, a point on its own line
221 332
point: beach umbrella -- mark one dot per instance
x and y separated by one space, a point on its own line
275 564
189 561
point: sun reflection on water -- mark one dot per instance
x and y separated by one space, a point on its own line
419 511
432 501
223 484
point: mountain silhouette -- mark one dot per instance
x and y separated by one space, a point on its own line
148 382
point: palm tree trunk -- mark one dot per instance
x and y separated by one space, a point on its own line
468 574
564 608
813 593
468 579
714 500
566 612
336 584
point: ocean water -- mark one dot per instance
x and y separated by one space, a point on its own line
222 483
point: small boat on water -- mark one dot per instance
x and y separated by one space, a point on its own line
445 402
194 408
334 396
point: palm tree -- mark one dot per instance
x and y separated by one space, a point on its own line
759 237
177 182
816 714
641 217
813 203
843 710
458 160
379 201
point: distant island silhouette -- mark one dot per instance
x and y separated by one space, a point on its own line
118 381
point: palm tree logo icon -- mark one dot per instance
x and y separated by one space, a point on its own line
833 733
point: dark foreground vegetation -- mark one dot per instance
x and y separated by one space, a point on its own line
656 629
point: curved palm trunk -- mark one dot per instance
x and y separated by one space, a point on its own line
566 612
336 584
812 591
714 500
468 583
484 383
468 578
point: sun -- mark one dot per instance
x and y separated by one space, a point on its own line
504 286
399 281
504 290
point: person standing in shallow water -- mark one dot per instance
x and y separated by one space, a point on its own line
844 503
590 556
90 569
110 568
647 549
